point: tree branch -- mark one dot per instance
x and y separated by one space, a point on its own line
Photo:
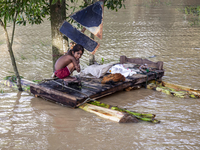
1 23
12 57
14 21
86 2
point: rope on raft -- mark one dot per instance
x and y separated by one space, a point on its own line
146 73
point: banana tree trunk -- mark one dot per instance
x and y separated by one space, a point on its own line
174 89
109 114
12 57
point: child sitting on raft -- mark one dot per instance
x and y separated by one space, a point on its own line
69 62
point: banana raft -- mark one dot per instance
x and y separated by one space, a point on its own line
174 89
139 116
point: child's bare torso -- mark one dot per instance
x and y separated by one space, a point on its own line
65 60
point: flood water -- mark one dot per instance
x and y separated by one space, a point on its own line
153 29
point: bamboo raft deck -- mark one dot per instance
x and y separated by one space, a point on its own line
91 88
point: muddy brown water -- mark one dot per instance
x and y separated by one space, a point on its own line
157 30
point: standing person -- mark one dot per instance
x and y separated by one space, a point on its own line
66 64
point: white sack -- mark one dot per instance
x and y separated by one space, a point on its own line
119 68
96 70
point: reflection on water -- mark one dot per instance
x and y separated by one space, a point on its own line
156 30
22 126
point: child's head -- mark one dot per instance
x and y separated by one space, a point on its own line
77 48
77 51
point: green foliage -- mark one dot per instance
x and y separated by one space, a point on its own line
193 13
37 81
1 91
110 4
54 2
114 4
31 11
194 10
12 78
141 116
102 61
26 88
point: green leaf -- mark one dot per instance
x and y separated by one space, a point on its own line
54 2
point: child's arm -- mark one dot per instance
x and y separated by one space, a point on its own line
76 64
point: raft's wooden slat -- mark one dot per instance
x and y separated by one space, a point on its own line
90 88
111 90
55 95
92 85
141 78
140 61
87 91
99 86
96 84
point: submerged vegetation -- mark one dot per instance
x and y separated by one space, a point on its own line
23 57
11 81
37 81
12 78
174 89
194 10
193 13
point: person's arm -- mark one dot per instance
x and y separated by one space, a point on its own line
76 64
78 61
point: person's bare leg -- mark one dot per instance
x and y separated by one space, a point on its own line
69 79
71 67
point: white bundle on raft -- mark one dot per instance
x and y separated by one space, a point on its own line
119 68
